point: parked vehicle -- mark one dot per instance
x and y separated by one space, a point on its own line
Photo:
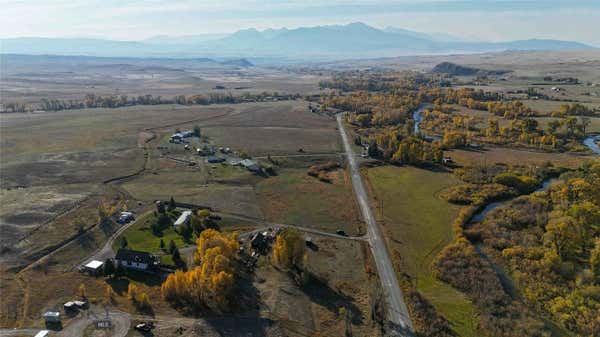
341 232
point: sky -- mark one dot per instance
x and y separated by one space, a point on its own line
485 20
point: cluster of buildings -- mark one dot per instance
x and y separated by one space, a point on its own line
179 137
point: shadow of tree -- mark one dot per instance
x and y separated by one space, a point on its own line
118 284
54 326
397 330
319 292
86 241
245 319
235 326
107 226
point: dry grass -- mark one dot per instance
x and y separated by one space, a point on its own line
494 155
294 197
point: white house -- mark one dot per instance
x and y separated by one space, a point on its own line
135 259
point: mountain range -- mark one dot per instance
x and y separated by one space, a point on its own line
354 40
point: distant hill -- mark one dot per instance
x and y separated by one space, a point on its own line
355 40
454 69
458 70
238 62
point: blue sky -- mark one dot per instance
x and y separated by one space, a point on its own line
490 20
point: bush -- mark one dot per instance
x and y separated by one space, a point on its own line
477 194
316 170
523 184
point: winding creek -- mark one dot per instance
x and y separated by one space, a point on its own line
479 216
592 143
505 279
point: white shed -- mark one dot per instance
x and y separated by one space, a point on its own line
94 266
183 218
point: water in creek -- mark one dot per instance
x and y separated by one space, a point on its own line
477 217
416 115
592 143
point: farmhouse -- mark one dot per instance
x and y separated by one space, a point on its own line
176 138
250 165
135 259
183 219
187 134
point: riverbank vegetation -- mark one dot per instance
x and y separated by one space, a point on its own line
381 110
549 241
529 266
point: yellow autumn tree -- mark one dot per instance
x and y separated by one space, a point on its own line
211 238
289 249
132 292
82 291
211 282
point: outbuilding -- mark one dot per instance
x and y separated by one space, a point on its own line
70 306
52 316
215 159
94 267
183 219
250 165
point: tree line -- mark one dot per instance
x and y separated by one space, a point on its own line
116 101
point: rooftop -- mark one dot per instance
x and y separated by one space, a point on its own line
94 264
182 218
135 256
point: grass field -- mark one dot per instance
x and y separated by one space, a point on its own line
594 126
494 155
293 197
546 106
417 224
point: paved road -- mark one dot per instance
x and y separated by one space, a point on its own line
397 311
18 332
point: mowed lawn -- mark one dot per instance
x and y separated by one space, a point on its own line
140 237
418 225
